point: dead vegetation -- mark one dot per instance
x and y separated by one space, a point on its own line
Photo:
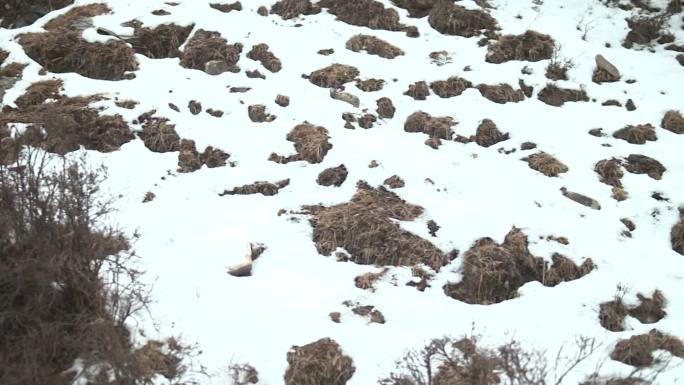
677 234
159 135
501 93
385 108
644 29
418 90
368 280
333 176
333 76
261 53
673 121
610 171
435 127
642 164
394 182
450 19
556 96
289 9
66 51
638 134
259 187
450 87
416 8
161 41
20 13
243 374
320 362
638 350
364 227
367 13
227 7
493 272
77 18
369 312
257 113
282 100
189 160
311 144
650 310
373 46
545 164
530 46
488 134
207 48
370 85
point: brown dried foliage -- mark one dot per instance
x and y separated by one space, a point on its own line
453 86
373 46
642 164
370 85
530 46
20 13
385 108
450 19
333 76
638 134
677 234
501 93
289 9
673 121
556 96
259 187
545 164
418 90
333 176
311 144
638 350
261 53
488 134
364 13
205 46
71 19
435 127
160 42
320 362
610 171
227 7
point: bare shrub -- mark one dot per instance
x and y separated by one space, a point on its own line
450 19
208 46
311 144
556 96
333 76
373 46
289 9
558 67
545 164
530 46
450 87
638 134
673 121
320 362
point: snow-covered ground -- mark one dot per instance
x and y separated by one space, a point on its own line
189 235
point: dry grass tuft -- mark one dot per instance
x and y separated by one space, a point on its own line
20 13
289 9
208 46
501 93
367 281
364 227
261 53
610 171
435 127
677 234
190 160
394 182
545 164
453 86
416 8
370 85
364 13
373 46
638 350
385 108
642 164
260 187
673 121
37 93
160 42
488 134
530 46
257 113
77 18
320 362
418 90
333 76
159 135
450 19
638 134
644 29
556 96
333 176
311 144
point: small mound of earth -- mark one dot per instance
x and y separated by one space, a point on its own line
259 187
418 90
530 46
650 310
556 96
673 121
334 76
160 42
311 144
501 93
320 362
435 127
333 176
638 350
488 134
365 227
638 134
545 164
453 86
289 9
373 46
209 48
642 164
190 160
450 19
386 108
261 53
370 85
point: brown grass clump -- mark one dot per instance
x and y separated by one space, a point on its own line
364 13
488 134
261 53
677 234
394 181
39 92
160 42
638 350
364 227
367 281
385 109
12 70
612 315
416 8
610 171
77 17
195 107
673 121
257 113
333 76
450 19
545 164
493 272
530 46
602 76
649 310
320 362
557 71
367 121
289 9
160 136
644 29
369 312
190 160
556 96
642 164
370 85
227 7
3 55
501 93
418 90
435 127
333 176
311 144
638 134
66 51
453 86
208 46
20 13
282 100
373 46
127 104
259 187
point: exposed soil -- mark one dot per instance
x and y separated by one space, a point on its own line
208 46
311 144
320 362
259 187
289 9
493 273
333 76
257 113
488 134
556 96
638 134
673 121
530 46
642 164
501 93
160 42
450 19
418 90
385 108
370 85
545 164
333 176
638 350
373 46
364 227
435 127
261 53
453 86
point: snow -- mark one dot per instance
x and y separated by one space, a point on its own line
190 235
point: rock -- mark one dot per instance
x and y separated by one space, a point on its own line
581 199
630 106
345 97
604 64
216 67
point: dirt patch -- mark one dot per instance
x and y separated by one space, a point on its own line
66 51
370 85
367 281
373 46
556 96
365 13
311 144
333 76
435 127
545 164
394 182
385 108
261 53
20 13
364 227
450 19
333 176
416 8
530 46
160 42
642 164
257 113
259 187
418 90
638 350
610 171
289 9
225 8
493 273
501 93
78 18
209 47
488 134
639 134
190 160
453 86
282 100
320 362
160 136
677 234
195 107
673 121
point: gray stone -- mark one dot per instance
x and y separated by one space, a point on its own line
216 67
604 64
345 97
581 199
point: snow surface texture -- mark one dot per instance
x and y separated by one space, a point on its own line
190 235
